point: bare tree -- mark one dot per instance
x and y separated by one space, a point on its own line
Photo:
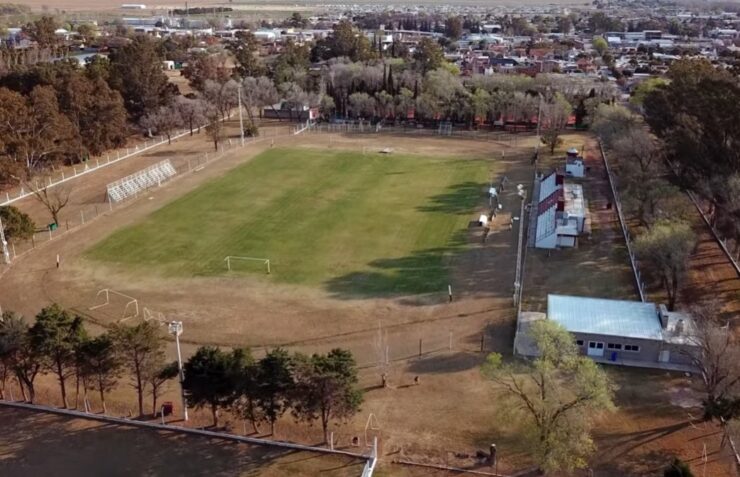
667 247
637 147
715 355
222 96
163 121
191 112
215 127
260 93
54 200
554 117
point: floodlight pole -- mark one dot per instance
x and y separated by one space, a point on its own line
175 328
241 119
6 253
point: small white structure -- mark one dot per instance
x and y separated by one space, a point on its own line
168 65
574 165
561 213
133 6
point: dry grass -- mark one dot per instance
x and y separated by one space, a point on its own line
453 409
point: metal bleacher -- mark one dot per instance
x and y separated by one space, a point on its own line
150 177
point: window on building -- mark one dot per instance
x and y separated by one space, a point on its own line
614 345
579 342
634 348
596 345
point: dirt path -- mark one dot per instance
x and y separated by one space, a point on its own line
710 276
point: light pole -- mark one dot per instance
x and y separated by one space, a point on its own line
241 120
522 192
175 328
4 243
539 123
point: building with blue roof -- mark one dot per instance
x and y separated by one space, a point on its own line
623 332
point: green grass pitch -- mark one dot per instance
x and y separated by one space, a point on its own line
355 224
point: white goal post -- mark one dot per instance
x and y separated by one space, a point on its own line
106 292
265 261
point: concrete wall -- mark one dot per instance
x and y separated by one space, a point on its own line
679 353
649 349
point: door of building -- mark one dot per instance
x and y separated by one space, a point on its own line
664 356
596 348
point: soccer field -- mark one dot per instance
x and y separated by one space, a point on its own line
355 224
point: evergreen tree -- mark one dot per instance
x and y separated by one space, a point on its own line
56 336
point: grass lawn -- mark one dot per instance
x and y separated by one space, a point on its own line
357 225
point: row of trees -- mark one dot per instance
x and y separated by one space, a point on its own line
694 127
695 117
61 112
664 239
320 387
57 343
53 113
313 388
399 89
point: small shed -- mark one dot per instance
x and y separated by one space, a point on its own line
574 165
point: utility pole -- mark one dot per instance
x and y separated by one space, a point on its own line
6 253
539 123
241 120
175 328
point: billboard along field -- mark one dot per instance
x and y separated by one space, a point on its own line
357 224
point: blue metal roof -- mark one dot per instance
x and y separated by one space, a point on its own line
599 316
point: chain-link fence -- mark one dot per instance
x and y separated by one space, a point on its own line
366 127
68 173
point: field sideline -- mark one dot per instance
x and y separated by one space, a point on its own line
358 224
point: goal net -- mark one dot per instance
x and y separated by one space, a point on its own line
234 263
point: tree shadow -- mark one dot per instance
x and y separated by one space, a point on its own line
424 271
458 199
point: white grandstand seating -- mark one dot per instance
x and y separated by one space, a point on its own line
150 177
